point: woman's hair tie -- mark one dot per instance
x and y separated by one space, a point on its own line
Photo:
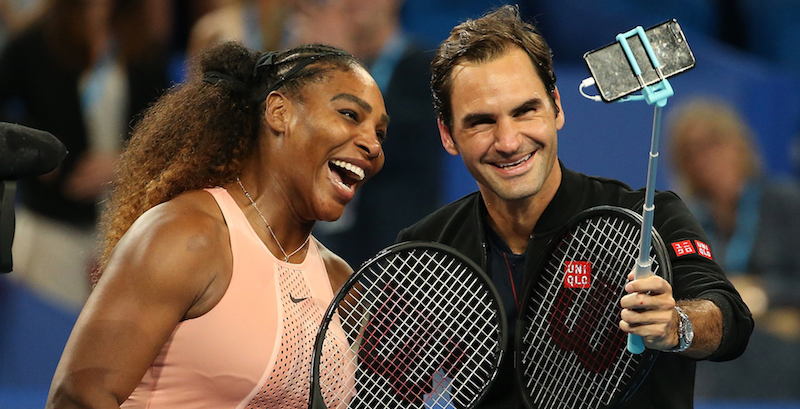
235 84
266 59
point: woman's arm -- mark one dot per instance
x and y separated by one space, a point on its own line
173 264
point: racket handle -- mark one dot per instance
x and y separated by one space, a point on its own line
635 344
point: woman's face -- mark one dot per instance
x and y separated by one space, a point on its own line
332 142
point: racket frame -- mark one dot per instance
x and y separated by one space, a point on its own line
316 400
647 359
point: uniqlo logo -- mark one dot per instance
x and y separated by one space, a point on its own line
683 248
703 249
578 274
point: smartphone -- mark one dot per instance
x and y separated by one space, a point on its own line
613 75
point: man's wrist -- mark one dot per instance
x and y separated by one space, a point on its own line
685 331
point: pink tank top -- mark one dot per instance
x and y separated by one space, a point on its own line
253 349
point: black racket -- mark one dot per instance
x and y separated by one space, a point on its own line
418 326
570 350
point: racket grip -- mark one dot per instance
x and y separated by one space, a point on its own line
635 344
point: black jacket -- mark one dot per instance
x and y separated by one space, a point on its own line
462 225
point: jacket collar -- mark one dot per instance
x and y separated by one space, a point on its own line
569 198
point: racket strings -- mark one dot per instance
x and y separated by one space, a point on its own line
573 351
439 345
422 329
604 298
430 297
596 245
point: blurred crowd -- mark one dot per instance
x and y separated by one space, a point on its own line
752 221
81 70
85 69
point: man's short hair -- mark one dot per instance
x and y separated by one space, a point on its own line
482 40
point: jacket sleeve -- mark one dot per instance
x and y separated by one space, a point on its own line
695 274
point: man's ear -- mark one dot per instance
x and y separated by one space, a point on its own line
560 118
447 139
277 111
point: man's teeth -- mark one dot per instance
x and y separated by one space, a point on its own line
351 168
508 165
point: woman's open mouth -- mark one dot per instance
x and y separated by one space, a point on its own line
345 174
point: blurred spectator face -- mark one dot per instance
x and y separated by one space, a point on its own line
715 161
358 26
368 15
98 13
712 150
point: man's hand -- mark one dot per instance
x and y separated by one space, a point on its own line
649 311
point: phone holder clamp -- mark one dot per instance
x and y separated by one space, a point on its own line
655 94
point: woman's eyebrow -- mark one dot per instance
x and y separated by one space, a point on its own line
363 104
352 98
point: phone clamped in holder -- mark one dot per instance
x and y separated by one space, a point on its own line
639 60
657 93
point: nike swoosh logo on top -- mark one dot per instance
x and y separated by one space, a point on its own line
297 300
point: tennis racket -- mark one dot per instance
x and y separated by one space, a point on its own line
570 350
417 326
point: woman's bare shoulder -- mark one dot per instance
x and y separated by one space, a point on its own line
338 269
183 245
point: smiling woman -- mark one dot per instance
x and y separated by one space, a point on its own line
211 286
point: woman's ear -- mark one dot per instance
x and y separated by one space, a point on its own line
277 111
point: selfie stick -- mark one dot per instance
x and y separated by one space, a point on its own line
656 95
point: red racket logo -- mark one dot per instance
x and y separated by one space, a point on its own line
408 358
587 325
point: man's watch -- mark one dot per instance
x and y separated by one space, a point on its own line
685 332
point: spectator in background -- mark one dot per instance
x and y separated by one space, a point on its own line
81 71
15 15
408 187
753 224
257 24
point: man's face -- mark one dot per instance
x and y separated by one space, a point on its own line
504 125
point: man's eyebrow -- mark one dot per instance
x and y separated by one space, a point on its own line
533 103
363 104
476 117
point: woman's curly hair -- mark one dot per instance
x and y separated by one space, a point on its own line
201 133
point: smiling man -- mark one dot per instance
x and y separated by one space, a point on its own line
499 109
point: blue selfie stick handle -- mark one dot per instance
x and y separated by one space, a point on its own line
643 263
655 95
